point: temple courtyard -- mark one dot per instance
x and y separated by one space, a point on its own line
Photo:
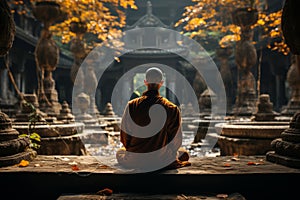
68 69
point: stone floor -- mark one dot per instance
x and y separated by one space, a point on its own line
53 177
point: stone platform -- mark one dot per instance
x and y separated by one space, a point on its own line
50 177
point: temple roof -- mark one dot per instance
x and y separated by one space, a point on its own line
141 42
148 20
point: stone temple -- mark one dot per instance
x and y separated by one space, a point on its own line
61 106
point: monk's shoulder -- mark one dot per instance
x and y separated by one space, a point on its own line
135 101
169 104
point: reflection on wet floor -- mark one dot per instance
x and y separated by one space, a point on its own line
200 149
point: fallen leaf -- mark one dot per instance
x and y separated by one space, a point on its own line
75 168
251 163
254 163
222 196
105 191
227 165
23 163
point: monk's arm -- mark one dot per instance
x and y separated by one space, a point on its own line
174 130
124 137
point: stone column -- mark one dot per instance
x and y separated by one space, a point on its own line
246 58
293 80
171 87
3 84
47 56
8 31
127 88
223 55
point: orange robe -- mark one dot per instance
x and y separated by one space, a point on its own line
150 150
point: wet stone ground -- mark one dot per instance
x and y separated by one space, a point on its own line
195 149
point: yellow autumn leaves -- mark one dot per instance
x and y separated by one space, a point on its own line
215 16
103 18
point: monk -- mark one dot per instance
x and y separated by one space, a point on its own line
151 130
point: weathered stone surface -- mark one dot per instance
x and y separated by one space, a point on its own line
285 148
132 196
253 129
14 146
65 145
264 109
290 137
290 26
108 111
6 130
283 160
243 146
98 137
202 127
293 80
16 158
8 28
52 129
65 114
206 175
8 134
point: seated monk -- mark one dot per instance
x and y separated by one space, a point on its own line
151 130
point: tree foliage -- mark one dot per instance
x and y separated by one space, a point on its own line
207 17
103 18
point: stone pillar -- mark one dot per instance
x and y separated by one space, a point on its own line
171 91
18 79
291 32
246 58
90 82
223 55
8 31
127 89
3 84
293 80
47 56
78 49
171 87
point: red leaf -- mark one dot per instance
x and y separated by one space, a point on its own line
251 163
105 191
227 165
75 168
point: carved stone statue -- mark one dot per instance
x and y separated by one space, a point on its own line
264 110
246 58
47 55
